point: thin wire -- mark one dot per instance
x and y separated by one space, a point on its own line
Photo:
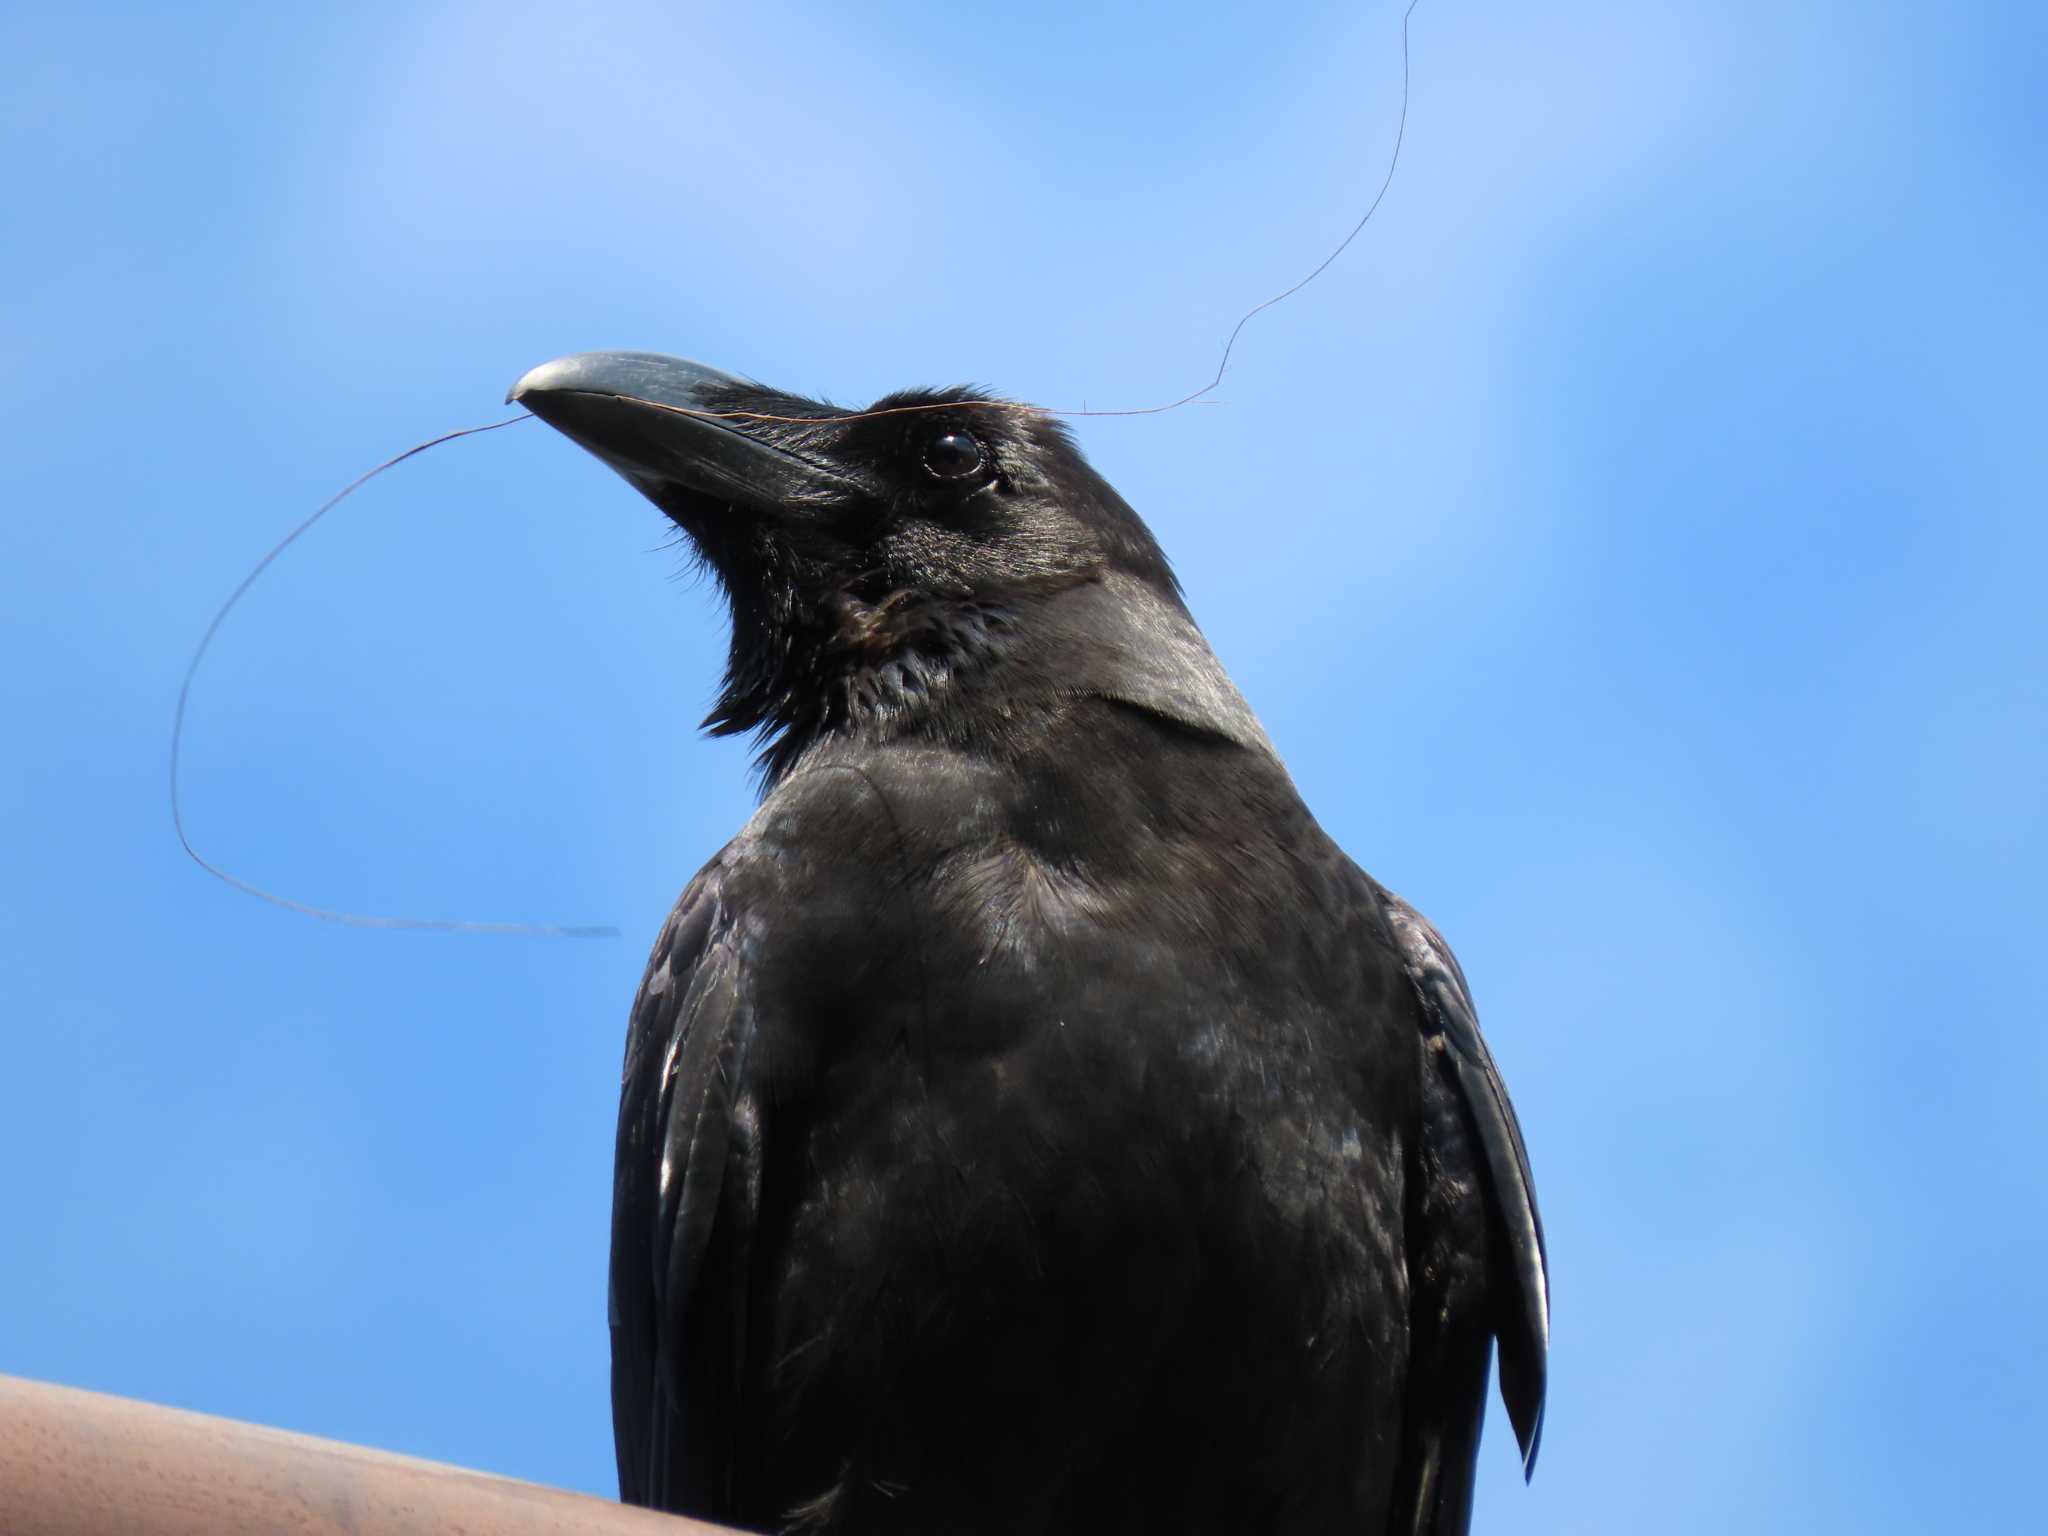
329 914
1192 397
1222 363
547 930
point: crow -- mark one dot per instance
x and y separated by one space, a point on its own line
1031 1120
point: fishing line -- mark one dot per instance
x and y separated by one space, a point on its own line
330 914
562 931
1190 398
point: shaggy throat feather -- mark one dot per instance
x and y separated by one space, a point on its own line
847 665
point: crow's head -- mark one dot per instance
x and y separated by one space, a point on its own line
935 562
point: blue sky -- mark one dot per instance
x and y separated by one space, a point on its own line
1634 545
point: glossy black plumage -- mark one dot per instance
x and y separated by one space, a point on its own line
1031 1120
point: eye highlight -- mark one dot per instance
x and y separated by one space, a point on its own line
954 456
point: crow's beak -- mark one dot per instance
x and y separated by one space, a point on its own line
669 425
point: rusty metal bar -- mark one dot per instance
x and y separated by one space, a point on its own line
81 1464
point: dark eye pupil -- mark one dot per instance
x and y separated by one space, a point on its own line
952 455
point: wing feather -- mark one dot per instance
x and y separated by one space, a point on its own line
1519 1282
682 1208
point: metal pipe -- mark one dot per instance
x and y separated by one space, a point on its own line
81 1464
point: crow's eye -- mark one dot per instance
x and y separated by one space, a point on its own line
954 456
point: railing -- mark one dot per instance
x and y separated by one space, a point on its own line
81 1464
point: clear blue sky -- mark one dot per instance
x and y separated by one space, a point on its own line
1635 545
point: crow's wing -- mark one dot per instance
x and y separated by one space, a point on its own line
1477 1263
684 1200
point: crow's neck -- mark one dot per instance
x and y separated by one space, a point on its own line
976 671
860 667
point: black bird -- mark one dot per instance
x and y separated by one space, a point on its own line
1032 1121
